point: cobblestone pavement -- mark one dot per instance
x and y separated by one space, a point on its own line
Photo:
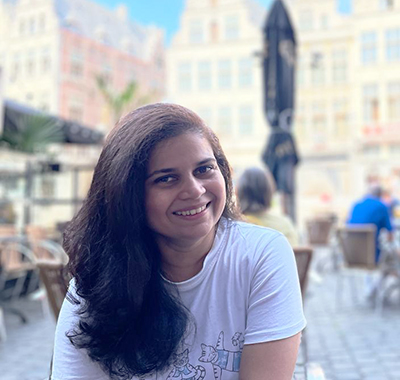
352 342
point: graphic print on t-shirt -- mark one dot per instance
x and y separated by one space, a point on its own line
220 358
184 370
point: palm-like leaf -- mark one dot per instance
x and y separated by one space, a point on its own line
117 102
33 133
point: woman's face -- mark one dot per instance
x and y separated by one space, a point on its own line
185 190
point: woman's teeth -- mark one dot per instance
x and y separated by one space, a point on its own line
191 212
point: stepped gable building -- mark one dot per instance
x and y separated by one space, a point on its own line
52 50
347 124
213 67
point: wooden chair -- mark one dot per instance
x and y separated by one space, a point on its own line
303 256
17 271
319 230
357 243
55 282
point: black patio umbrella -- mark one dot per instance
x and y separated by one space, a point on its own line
279 63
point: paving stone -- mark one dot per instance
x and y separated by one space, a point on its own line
349 343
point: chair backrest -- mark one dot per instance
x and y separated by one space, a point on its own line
55 282
318 230
358 244
303 257
7 230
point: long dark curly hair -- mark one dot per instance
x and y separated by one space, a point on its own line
129 322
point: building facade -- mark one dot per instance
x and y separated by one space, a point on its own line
347 121
52 51
213 67
348 101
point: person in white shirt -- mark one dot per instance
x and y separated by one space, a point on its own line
167 283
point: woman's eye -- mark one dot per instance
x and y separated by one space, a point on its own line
165 179
204 169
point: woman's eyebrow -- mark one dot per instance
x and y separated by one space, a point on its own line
166 170
172 170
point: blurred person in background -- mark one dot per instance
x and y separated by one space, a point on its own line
255 190
167 282
391 202
371 210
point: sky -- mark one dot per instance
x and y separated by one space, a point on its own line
166 13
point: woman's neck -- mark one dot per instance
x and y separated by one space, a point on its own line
181 260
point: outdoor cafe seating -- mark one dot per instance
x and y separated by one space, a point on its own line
22 257
357 246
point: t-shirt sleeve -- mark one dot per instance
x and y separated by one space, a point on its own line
275 306
70 363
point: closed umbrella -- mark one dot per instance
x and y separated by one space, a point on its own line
279 64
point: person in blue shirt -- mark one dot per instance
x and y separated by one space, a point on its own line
371 210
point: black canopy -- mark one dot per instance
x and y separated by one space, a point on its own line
72 132
279 64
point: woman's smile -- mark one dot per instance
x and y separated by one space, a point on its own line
185 198
192 211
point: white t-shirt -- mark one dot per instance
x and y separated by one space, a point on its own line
247 292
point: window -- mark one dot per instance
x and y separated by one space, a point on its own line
206 114
47 186
317 69
224 121
301 122
46 60
77 64
184 77
394 101
324 21
394 150
319 122
393 45
339 66
75 112
22 26
32 25
214 32
232 27
107 73
370 103
204 77
196 32
224 74
301 71
246 122
368 48
340 115
42 22
306 21
15 67
30 63
386 4
245 72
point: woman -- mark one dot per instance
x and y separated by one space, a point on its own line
255 190
166 284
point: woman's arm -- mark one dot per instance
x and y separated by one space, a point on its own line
274 360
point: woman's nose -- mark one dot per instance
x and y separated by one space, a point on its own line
192 188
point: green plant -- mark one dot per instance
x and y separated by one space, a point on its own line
118 102
32 133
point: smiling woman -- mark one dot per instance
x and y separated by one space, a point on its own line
165 277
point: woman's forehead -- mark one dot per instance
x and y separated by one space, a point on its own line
180 148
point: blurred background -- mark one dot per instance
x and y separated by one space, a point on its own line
88 63
69 69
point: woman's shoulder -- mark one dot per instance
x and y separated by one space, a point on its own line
253 236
